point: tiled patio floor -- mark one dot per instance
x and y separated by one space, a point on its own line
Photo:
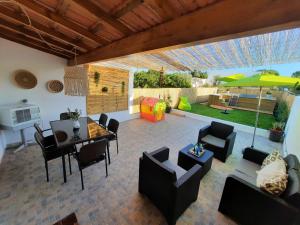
26 197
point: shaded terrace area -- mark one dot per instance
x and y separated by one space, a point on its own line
28 199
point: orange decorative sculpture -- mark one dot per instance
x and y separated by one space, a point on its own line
153 109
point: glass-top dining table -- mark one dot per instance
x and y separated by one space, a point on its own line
65 135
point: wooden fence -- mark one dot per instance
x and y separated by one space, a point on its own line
194 94
279 95
115 98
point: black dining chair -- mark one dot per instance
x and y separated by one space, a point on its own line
51 152
103 120
91 154
48 140
112 127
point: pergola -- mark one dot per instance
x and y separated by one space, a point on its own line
265 49
170 33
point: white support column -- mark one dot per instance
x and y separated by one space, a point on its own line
291 143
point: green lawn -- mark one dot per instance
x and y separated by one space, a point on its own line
237 116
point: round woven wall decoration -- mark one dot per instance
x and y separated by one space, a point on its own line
55 86
25 79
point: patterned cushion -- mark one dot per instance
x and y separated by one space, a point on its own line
273 178
271 158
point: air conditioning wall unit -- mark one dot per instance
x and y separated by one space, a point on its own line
19 116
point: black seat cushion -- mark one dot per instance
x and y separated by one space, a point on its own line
52 153
220 130
292 162
292 192
83 164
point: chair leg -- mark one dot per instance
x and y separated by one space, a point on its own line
82 185
47 174
117 144
108 153
106 165
70 166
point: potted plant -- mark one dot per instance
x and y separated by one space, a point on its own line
168 104
123 87
269 94
96 78
105 89
75 117
277 132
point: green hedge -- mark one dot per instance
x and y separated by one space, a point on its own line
151 79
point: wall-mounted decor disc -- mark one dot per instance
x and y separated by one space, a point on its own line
25 79
55 86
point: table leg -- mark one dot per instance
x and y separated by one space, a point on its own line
108 153
64 168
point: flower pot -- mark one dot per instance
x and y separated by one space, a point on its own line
168 109
276 135
76 124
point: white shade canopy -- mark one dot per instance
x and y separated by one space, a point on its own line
266 49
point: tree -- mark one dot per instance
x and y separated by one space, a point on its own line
296 74
199 74
215 81
265 71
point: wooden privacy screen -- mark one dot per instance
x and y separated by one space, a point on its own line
116 97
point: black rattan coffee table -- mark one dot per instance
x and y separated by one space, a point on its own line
186 160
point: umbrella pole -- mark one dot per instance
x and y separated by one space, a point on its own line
257 115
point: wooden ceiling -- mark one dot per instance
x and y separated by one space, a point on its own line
85 24
105 29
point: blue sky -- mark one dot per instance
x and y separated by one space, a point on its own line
283 69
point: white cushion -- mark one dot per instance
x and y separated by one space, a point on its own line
214 141
272 178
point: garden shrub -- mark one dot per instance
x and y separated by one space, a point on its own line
151 79
281 112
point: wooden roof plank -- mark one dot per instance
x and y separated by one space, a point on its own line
20 39
35 36
73 27
129 6
204 26
43 29
100 14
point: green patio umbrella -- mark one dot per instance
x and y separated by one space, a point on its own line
262 80
232 78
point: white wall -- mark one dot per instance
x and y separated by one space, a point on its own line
292 140
45 67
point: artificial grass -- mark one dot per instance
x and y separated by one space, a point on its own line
238 116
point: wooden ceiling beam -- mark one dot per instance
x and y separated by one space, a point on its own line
243 18
33 35
20 39
61 20
44 29
129 6
102 15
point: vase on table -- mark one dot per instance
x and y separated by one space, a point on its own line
76 124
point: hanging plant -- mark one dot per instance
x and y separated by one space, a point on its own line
104 89
96 78
123 86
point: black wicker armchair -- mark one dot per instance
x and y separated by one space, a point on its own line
218 138
171 188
